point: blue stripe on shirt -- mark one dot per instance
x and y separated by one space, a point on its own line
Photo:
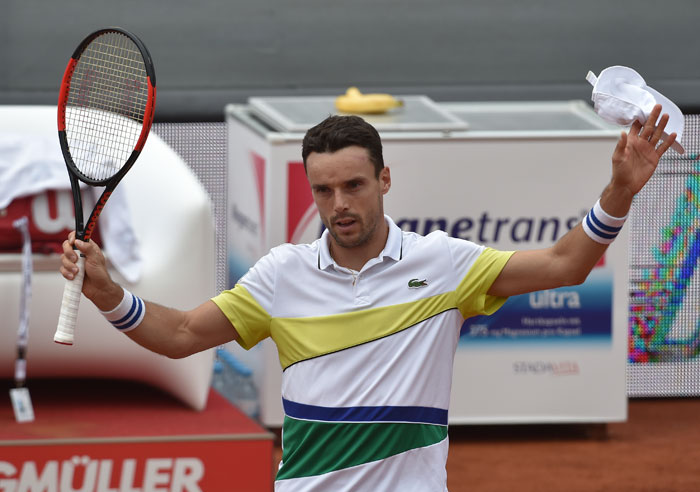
423 415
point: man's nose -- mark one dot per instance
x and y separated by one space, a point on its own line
340 202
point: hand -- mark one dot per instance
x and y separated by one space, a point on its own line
637 154
98 285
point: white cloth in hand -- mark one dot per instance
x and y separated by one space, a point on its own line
621 96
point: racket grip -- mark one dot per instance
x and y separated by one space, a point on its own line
69 306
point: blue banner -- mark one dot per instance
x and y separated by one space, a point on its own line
579 313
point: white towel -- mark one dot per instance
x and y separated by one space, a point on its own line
30 164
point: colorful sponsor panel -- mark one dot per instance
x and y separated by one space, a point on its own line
575 314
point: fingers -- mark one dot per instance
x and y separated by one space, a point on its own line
68 267
658 131
69 270
72 247
620 147
653 130
636 128
666 144
650 127
68 243
67 246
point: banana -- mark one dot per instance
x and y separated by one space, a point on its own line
354 101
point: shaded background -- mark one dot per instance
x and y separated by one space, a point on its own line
213 52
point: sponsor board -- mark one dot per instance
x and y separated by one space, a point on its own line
194 466
568 315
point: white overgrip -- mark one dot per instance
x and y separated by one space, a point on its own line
69 306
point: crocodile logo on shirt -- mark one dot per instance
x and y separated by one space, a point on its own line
414 283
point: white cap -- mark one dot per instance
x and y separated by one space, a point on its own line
621 96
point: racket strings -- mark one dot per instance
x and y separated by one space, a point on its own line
106 105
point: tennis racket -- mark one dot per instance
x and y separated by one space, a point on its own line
105 111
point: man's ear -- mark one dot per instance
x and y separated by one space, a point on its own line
385 180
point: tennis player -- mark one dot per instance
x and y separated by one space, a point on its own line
367 318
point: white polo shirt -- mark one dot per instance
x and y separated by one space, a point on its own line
367 356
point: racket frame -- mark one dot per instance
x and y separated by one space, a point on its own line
72 291
84 233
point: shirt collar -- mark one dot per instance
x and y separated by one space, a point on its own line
392 248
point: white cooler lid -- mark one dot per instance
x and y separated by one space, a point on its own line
298 114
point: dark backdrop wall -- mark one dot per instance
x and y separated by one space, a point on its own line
212 52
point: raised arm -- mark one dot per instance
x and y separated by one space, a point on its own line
164 330
571 259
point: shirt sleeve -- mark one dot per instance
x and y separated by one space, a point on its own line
479 267
248 304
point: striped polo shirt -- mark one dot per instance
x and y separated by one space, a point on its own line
367 356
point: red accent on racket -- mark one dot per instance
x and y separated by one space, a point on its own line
105 112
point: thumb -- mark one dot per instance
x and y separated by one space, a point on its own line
83 246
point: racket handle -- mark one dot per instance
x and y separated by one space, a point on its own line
69 306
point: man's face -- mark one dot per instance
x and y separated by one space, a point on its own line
347 194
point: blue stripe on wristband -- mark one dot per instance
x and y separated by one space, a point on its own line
128 314
596 231
131 310
131 320
600 226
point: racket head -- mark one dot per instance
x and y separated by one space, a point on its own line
105 105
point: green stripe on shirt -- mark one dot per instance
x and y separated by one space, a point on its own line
314 448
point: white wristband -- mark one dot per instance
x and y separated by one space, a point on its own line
600 226
128 314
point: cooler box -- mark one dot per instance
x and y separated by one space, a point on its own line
507 175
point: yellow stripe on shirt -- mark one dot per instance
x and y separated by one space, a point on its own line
299 339
249 319
472 299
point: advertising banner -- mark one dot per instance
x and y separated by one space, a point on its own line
185 466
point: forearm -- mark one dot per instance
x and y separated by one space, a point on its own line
161 329
164 331
574 256
178 334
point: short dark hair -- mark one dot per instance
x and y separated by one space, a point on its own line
337 132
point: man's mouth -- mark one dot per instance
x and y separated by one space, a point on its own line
345 223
